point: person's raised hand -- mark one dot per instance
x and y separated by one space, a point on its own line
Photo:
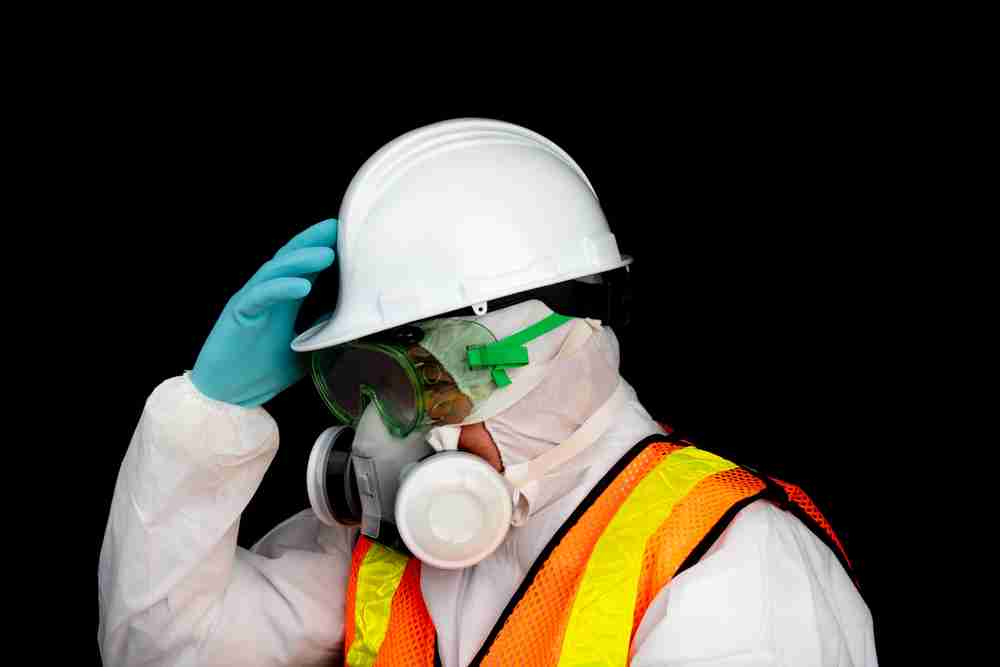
247 358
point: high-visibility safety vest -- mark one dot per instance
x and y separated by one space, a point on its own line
655 513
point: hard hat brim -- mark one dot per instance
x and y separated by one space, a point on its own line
330 332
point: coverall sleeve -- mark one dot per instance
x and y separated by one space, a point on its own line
767 593
174 587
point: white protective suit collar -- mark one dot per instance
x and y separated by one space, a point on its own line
572 377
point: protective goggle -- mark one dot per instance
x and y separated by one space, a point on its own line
405 374
422 375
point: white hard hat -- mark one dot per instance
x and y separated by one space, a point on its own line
453 215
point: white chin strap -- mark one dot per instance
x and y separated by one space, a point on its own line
523 474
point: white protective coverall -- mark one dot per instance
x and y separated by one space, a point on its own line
175 589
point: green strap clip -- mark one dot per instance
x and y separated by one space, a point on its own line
511 352
498 357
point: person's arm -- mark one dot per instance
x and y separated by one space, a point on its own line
174 587
767 593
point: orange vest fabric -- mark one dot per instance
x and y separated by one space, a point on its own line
533 627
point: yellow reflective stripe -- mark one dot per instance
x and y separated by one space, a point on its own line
600 623
378 578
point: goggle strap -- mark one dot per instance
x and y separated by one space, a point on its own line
550 323
510 352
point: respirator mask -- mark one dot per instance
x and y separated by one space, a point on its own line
392 393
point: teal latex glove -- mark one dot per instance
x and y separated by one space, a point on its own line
247 359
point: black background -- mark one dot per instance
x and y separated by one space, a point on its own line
743 195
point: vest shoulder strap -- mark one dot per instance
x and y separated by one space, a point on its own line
386 621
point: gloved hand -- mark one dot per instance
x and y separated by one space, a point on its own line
247 359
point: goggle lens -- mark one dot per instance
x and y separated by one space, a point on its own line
349 377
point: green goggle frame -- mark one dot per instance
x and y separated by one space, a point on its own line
434 378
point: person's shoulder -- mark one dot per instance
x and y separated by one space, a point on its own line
768 527
784 551
750 530
305 532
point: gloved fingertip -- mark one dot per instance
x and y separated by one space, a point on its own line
291 289
326 254
328 226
